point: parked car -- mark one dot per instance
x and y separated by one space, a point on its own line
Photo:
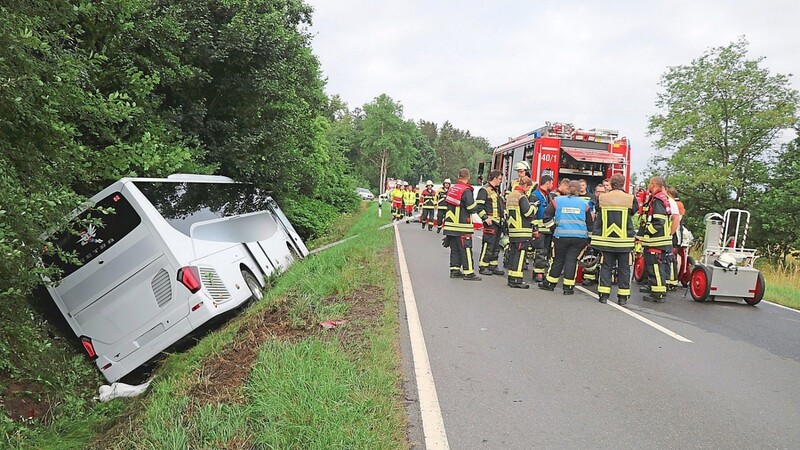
365 194
175 253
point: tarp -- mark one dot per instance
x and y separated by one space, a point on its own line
597 156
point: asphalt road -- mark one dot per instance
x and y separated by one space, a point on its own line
522 369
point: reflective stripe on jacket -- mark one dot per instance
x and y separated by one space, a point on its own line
570 217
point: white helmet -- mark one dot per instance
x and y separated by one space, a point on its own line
447 180
429 183
522 165
726 261
405 183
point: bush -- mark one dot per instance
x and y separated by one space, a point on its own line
310 217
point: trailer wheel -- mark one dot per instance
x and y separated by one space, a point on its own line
759 291
686 275
256 291
638 269
700 283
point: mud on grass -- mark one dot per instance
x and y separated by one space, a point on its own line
221 377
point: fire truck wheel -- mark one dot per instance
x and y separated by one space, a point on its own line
700 284
686 275
638 269
759 291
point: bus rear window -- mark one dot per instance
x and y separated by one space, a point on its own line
183 204
115 218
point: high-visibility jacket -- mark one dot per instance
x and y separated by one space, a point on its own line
397 195
543 199
570 215
490 205
655 229
520 216
613 227
428 198
460 207
409 197
441 194
515 183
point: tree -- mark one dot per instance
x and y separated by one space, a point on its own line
722 116
776 215
425 165
387 141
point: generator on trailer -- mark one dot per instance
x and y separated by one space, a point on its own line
561 150
725 271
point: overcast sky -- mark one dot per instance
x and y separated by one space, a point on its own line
503 68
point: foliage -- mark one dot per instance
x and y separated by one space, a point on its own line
722 116
386 140
456 149
777 208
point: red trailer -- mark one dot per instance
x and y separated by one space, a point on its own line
561 150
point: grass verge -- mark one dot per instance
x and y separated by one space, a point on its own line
272 377
783 283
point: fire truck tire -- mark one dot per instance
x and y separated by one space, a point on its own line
638 269
686 276
700 284
759 294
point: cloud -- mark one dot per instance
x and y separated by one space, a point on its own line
500 69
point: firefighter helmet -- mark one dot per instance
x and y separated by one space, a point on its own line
589 262
726 261
447 180
405 183
429 183
522 165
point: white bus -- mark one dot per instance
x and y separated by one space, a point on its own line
174 253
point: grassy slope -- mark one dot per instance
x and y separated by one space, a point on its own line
292 385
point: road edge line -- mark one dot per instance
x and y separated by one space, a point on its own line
645 320
781 306
432 422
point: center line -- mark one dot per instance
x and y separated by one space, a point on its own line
658 327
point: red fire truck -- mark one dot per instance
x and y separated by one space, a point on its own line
561 150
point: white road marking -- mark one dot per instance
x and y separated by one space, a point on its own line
780 306
432 422
645 320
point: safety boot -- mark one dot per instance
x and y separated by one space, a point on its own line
569 290
471 277
587 282
517 283
645 289
438 230
456 274
538 277
497 271
603 298
622 300
655 297
486 271
546 286
423 225
430 227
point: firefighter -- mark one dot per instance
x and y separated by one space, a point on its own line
441 205
409 199
523 170
613 235
428 200
490 210
654 234
570 216
589 276
397 201
675 222
520 230
543 238
458 227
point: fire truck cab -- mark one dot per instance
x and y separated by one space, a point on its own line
561 150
